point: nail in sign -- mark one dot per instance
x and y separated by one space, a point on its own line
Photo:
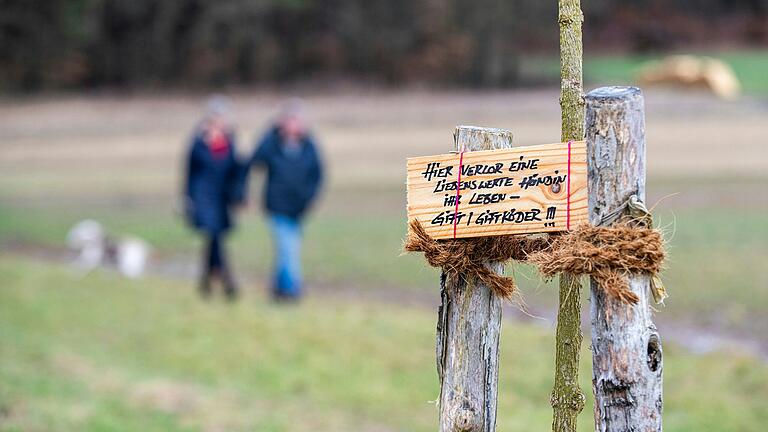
522 190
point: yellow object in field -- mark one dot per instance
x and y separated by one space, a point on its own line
658 290
690 71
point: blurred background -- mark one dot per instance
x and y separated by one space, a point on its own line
99 100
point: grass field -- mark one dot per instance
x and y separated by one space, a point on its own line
101 353
709 259
75 357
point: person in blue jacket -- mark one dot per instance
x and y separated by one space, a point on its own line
215 183
294 172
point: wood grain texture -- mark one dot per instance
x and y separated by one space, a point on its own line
428 205
468 328
626 348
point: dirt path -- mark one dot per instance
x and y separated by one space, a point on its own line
696 339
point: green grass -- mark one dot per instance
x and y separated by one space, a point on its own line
714 271
104 354
338 249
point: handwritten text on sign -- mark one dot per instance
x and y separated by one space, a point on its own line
530 189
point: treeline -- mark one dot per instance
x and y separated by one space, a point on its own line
131 43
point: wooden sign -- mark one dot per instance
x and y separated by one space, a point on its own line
532 189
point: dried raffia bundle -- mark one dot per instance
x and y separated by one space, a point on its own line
471 255
605 253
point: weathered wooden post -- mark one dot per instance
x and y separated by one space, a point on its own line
464 210
468 327
626 348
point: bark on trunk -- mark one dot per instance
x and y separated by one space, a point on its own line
468 327
626 348
567 399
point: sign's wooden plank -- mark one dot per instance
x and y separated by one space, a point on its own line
532 189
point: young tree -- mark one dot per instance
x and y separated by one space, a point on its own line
567 398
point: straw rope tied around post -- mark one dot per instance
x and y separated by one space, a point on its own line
495 200
606 254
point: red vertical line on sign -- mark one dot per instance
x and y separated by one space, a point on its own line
568 191
458 190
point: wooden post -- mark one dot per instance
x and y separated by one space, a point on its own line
626 348
567 399
468 327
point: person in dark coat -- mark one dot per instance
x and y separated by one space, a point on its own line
215 182
294 172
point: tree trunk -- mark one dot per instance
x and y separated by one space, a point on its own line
626 348
468 327
567 398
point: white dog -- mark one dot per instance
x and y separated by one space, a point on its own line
96 248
